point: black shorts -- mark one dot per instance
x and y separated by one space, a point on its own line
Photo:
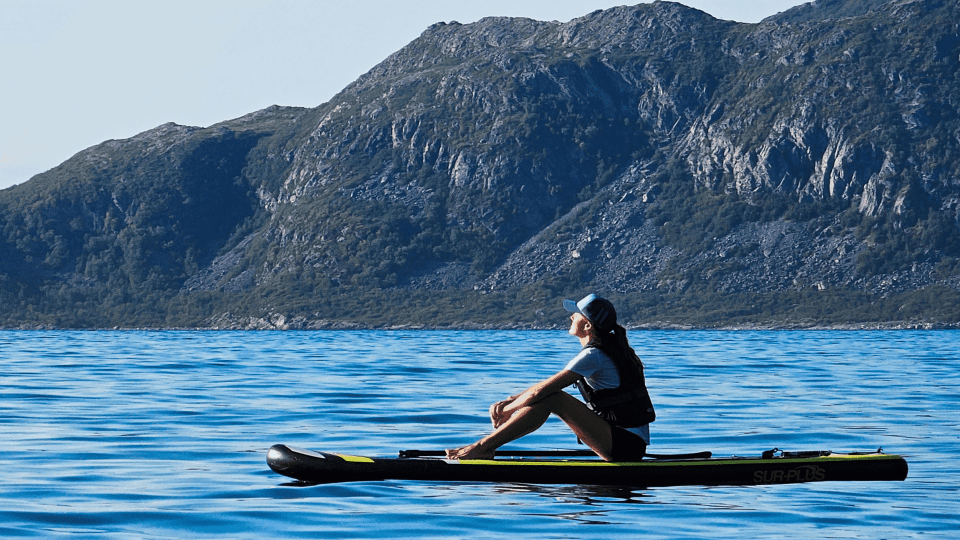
627 446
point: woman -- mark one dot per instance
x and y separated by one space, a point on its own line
613 423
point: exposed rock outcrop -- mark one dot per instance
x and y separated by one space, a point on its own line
648 151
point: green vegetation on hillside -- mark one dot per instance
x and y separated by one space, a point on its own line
487 171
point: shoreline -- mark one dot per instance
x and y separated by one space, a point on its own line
320 326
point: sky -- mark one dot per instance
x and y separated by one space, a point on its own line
75 73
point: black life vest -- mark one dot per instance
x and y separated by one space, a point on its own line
627 405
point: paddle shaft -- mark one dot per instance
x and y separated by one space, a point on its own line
550 453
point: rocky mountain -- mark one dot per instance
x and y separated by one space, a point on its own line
802 171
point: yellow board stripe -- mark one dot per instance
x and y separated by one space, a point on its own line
354 459
573 463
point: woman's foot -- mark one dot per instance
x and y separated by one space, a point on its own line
473 451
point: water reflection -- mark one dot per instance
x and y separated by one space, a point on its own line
583 494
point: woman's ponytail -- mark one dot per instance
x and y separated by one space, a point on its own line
615 345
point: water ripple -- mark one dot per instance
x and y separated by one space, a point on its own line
163 434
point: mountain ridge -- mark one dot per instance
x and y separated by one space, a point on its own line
795 172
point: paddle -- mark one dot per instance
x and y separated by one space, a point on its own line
550 453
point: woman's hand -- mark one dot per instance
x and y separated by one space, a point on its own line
497 414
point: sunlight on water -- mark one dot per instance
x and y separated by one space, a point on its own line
164 434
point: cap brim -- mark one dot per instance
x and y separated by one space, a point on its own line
571 306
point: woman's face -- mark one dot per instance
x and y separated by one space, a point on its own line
579 326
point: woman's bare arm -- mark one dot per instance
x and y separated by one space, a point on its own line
501 411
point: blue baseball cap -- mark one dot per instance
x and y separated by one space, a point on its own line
598 311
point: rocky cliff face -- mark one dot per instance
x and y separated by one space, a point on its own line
644 151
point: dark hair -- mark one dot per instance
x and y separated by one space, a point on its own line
614 344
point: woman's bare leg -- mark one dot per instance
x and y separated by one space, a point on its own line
523 421
590 428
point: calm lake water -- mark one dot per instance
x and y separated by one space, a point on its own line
164 434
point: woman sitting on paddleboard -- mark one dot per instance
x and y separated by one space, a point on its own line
614 422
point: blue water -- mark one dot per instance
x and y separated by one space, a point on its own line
164 434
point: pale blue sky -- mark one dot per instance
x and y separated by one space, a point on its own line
77 73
